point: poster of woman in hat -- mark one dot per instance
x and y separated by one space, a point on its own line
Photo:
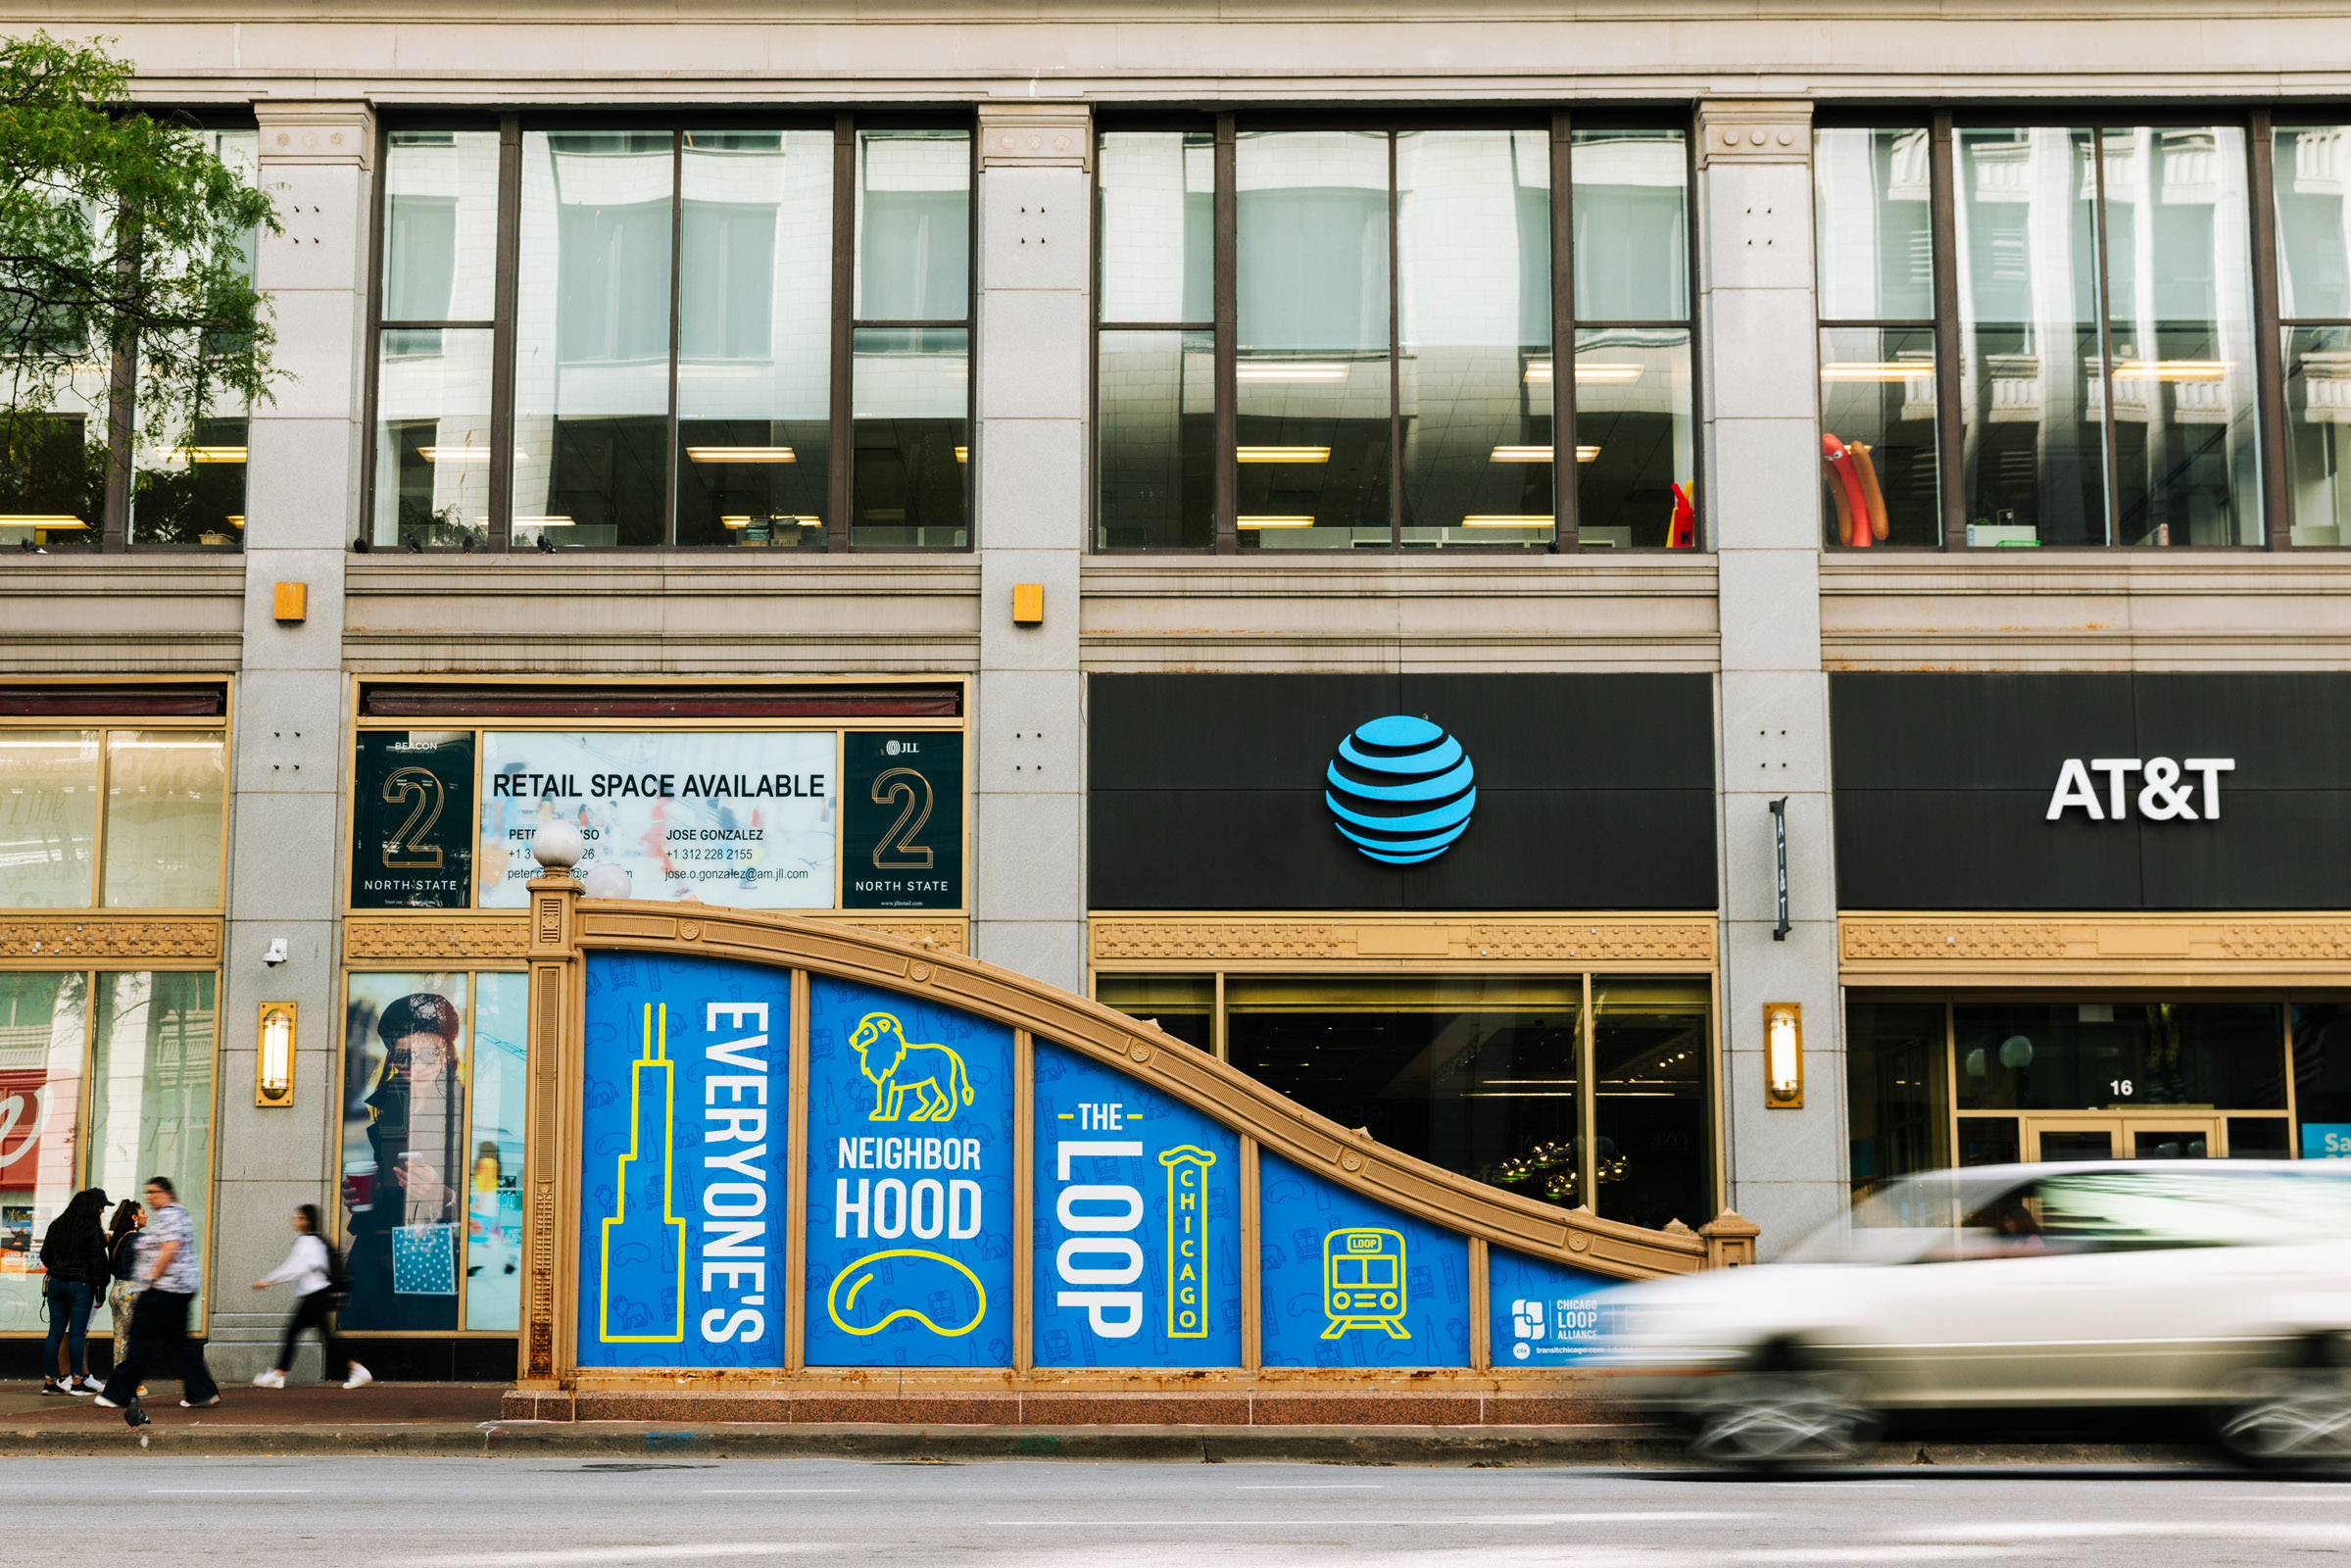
405 1155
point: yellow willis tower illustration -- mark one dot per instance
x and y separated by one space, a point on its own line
645 1237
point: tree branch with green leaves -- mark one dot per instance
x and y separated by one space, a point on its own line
126 258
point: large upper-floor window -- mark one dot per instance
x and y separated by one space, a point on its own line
650 336
1344 338
186 486
2037 336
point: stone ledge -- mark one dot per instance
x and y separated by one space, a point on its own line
1229 1407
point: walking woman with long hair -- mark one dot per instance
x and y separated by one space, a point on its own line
74 1259
310 1269
122 1260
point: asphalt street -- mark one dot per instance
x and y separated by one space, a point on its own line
501 1513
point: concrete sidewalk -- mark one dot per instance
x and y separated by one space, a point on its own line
443 1420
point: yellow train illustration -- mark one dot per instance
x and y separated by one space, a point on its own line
1363 1282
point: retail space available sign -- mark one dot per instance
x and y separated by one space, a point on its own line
910 1183
752 819
740 818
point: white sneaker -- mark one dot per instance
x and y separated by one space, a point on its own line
272 1379
360 1377
105 1403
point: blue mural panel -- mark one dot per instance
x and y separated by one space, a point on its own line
1348 1282
1138 1223
682 1162
1543 1313
909 1229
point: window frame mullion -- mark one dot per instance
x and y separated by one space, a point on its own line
1566 513
2268 335
1396 354
677 241
507 282
839 462
1950 432
2103 250
1225 266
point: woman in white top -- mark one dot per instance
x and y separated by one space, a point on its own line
311 1271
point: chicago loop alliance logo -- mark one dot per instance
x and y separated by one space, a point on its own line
1401 789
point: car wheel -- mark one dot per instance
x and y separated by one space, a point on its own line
1780 1414
2295 1417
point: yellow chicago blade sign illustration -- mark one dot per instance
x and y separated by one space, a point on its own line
933 1074
840 1302
1187 1319
652 1110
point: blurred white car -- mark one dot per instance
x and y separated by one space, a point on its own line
2024 1288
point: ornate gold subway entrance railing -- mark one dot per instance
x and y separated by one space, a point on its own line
773 1153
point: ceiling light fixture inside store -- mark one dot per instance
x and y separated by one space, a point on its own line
2171 370
1274 370
742 454
1538 372
1274 522
542 522
458 454
1876 370
213 454
1507 520
33 519
1282 455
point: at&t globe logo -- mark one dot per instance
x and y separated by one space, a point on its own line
1401 789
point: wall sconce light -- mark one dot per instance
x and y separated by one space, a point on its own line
1783 1055
273 1062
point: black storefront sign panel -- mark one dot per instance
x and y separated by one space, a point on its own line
413 823
1946 783
1592 792
901 815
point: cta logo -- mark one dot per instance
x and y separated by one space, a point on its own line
1401 789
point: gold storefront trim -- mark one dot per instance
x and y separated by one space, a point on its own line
77 939
1417 941
2200 950
506 935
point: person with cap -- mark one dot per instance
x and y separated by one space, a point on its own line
416 1134
171 1272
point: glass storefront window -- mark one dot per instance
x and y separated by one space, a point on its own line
1653 1129
164 792
48 817
1872 220
43 1033
1632 225
1893 1067
2116 1056
1314 383
152 1049
1877 400
434 1100
2033 429
1635 438
592 344
1181 1005
2180 270
911 428
1155 420
500 1087
1156 197
432 437
1472 217
440 234
755 339
1475 1074
2322 1036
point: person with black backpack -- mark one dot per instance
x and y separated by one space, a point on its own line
74 1259
317 1274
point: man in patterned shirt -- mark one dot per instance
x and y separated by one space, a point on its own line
170 1268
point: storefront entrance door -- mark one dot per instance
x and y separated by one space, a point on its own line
2063 1138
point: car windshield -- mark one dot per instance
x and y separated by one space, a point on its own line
1951 1215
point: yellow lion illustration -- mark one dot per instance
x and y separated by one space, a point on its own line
934 1074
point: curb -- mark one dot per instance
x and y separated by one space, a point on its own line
1622 1446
